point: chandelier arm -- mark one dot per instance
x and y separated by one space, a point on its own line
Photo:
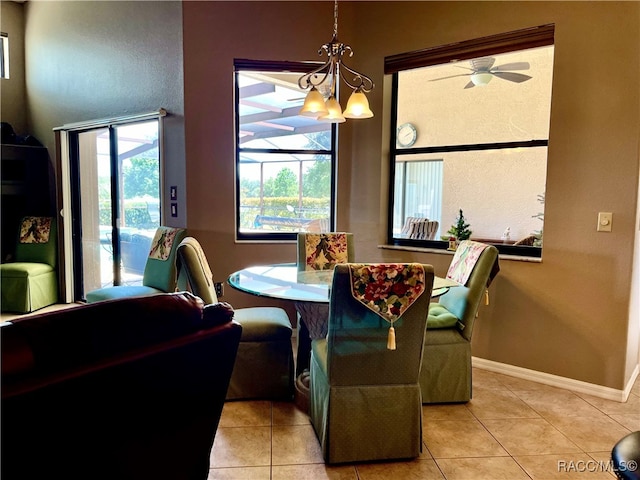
305 81
365 83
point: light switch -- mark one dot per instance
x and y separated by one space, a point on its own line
605 219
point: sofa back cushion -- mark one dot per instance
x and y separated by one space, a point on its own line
82 335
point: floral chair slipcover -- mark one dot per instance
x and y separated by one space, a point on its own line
365 401
160 274
445 376
322 251
31 281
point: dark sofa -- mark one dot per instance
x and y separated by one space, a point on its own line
123 389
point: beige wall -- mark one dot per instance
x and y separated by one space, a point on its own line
12 90
568 315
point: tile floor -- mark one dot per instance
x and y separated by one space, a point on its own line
512 429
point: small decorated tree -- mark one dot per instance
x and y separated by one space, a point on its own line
460 229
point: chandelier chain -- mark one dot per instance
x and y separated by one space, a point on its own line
335 19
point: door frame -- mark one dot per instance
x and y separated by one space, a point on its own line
65 185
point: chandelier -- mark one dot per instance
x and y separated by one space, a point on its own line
326 78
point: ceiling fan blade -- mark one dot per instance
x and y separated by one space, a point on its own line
483 63
512 77
470 85
511 66
451 76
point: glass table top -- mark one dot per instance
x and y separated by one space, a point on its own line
284 281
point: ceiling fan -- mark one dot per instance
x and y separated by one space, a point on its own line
483 71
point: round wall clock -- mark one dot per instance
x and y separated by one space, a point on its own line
407 135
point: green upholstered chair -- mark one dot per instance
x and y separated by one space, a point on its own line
365 401
160 274
264 363
446 367
31 281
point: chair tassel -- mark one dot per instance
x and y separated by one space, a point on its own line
486 297
391 339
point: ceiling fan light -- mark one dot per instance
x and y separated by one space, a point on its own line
481 78
358 106
314 104
334 114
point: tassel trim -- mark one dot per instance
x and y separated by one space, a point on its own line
391 339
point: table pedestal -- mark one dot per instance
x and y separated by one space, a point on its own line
312 324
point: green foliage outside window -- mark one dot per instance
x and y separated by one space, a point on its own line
311 208
136 214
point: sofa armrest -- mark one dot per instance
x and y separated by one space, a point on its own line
217 314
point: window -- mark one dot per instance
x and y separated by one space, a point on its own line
285 163
4 55
470 125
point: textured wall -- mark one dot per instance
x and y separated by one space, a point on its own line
12 108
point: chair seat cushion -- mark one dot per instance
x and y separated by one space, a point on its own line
121 291
440 317
263 323
24 269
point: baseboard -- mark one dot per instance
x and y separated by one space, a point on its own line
557 381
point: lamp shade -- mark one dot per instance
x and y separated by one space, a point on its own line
481 78
335 112
314 104
358 106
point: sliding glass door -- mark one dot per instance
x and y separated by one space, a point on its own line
115 178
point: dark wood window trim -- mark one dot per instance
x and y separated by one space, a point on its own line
504 42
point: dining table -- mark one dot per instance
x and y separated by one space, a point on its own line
309 290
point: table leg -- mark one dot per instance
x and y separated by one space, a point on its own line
303 357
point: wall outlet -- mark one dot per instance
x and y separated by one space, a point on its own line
219 286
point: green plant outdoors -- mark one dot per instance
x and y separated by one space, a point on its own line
460 229
311 208
136 214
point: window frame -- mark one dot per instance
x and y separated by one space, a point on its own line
533 37
4 55
276 66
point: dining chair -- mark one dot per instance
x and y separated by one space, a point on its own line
160 275
30 282
423 229
264 366
445 376
365 400
318 251
322 251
